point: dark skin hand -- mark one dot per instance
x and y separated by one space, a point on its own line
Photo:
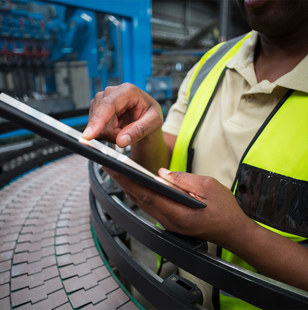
222 222
123 114
128 116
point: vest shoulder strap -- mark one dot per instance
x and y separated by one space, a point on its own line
204 90
210 59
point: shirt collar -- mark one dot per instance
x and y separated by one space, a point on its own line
242 62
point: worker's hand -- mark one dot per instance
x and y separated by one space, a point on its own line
222 221
122 114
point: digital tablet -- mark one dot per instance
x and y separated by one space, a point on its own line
56 131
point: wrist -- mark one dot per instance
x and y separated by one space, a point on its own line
240 240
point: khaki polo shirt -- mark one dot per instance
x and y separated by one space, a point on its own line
240 107
238 110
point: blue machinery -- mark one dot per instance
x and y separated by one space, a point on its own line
55 55
63 52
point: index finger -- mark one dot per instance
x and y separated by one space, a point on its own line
100 113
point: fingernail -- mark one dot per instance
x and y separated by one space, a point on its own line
194 195
163 172
87 133
83 141
125 140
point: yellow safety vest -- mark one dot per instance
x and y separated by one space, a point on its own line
271 184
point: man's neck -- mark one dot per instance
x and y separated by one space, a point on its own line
276 56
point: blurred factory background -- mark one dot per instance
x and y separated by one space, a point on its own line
55 55
61 248
182 31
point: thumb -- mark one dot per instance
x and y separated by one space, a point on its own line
184 180
195 185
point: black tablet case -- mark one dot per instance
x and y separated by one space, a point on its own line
45 130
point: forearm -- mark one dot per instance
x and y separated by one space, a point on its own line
152 152
273 255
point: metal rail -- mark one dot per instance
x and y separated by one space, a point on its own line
149 285
18 160
187 254
25 154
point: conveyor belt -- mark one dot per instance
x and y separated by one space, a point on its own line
48 257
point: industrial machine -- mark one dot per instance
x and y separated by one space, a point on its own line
55 55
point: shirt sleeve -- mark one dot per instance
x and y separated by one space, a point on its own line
177 111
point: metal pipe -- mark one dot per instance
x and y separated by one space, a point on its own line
224 20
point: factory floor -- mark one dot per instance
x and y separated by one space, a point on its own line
48 257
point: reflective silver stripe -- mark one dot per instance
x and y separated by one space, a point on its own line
210 64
